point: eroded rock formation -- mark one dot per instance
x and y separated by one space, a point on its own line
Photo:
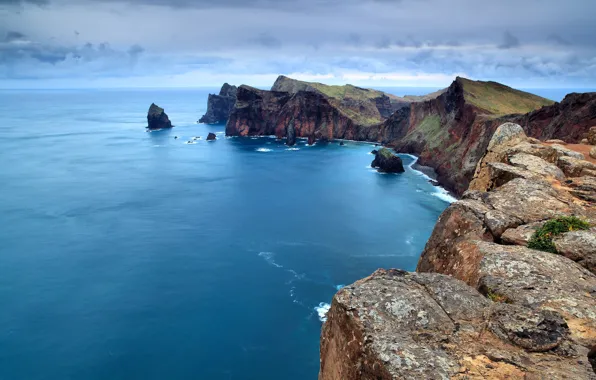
483 305
220 106
157 118
387 162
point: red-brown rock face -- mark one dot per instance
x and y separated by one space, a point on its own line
569 120
449 132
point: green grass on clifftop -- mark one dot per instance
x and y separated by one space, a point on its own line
497 99
542 239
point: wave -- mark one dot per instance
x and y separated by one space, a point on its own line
268 256
292 148
263 150
444 195
338 287
439 191
322 311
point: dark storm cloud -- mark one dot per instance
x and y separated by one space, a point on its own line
509 41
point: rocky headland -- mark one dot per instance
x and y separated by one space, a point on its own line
220 106
449 130
157 118
505 287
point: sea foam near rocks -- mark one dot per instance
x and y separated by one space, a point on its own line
439 192
322 310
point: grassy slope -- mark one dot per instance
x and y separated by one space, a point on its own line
498 100
340 93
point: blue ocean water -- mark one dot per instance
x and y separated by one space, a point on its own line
133 255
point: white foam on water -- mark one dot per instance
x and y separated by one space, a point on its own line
190 142
292 148
409 240
264 150
439 191
322 311
268 256
219 133
338 287
444 195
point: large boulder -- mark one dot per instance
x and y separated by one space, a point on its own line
220 106
400 325
157 118
211 136
579 246
387 162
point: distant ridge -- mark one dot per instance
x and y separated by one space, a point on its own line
449 130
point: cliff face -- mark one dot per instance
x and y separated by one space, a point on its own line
448 131
364 106
220 106
569 120
483 304
157 118
307 114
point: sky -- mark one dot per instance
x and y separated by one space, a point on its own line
376 43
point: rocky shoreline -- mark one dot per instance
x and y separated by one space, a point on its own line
482 304
448 132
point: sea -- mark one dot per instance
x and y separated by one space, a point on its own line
127 254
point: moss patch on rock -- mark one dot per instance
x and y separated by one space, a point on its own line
542 239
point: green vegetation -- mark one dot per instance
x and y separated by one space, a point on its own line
497 99
542 239
431 130
496 297
386 153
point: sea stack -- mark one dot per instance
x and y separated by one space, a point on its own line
387 162
220 106
157 118
211 136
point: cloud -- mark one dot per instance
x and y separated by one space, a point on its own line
262 38
267 40
509 41
558 40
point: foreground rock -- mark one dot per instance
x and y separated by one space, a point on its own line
387 162
592 136
157 118
483 305
211 136
399 325
220 106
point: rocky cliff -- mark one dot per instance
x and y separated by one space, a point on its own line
157 118
220 106
449 130
484 305
366 106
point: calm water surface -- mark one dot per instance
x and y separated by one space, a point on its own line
126 254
